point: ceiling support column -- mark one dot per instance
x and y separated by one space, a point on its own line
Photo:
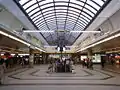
89 53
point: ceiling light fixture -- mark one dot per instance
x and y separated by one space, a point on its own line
37 31
104 40
14 38
85 31
28 31
39 49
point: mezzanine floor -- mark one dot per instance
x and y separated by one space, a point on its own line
84 79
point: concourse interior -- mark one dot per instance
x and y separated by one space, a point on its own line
59 44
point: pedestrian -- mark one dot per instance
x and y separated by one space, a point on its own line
87 62
102 62
50 67
90 64
2 70
68 64
83 63
71 65
112 61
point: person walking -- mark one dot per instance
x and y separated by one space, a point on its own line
102 62
90 64
67 65
2 70
83 63
112 61
87 62
50 67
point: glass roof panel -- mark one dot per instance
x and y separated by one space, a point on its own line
29 4
31 8
76 10
42 25
53 25
48 12
23 1
61 24
40 0
71 15
68 27
53 18
41 21
44 2
100 2
80 28
46 34
62 14
87 15
38 20
61 3
43 28
81 23
35 15
76 6
49 15
85 18
75 13
93 4
78 2
61 11
61 0
47 5
91 8
61 8
48 9
36 10
70 22
88 12
72 18
51 22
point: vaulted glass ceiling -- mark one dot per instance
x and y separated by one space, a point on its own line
63 15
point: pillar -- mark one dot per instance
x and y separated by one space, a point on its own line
44 58
89 53
31 57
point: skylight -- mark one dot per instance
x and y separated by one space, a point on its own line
59 13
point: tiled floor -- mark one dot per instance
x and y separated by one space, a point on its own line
84 79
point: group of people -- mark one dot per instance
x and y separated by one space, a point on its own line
87 63
60 65
7 61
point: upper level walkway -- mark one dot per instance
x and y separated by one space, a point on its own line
37 79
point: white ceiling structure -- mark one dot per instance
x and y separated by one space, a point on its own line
73 15
108 11
15 10
65 15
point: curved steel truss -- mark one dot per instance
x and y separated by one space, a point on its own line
61 15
